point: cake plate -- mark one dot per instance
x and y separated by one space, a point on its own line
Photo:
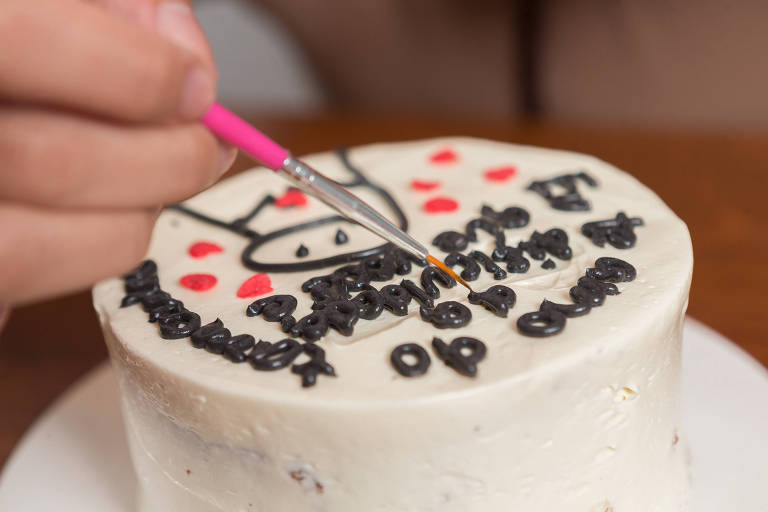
75 456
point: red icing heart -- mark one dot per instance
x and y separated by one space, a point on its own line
198 282
255 285
441 205
203 249
292 197
501 174
446 156
424 185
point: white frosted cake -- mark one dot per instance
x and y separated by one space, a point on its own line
273 357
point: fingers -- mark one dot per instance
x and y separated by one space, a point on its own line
173 19
77 55
54 159
45 253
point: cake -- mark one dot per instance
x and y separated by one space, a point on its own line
273 357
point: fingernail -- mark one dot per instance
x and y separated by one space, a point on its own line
177 22
227 155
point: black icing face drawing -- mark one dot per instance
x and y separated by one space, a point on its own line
249 255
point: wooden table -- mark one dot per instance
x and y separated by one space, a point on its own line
717 183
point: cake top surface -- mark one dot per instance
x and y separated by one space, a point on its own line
504 207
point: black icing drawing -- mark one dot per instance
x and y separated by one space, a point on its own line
257 239
302 251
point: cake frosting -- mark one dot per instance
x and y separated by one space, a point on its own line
554 386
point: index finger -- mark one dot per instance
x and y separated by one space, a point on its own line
76 55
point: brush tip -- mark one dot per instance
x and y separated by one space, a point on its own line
448 270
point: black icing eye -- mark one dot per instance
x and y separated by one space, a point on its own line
447 315
453 355
302 251
419 367
341 237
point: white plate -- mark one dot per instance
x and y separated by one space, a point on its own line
75 456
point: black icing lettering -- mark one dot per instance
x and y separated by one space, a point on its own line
417 293
498 299
453 355
211 336
273 308
471 268
236 347
369 303
268 356
311 327
612 270
539 324
449 241
179 325
516 262
447 315
342 315
554 242
618 232
570 199
488 264
428 276
487 225
419 367
396 299
314 367
380 267
511 217
589 292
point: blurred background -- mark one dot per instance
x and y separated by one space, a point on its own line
672 92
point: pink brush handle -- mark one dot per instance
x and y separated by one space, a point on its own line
237 132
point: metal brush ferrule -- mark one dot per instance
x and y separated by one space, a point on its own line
347 204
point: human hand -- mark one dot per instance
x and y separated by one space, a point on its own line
98 107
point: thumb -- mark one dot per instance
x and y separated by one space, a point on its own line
173 19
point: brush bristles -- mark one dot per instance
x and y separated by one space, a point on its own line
448 270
